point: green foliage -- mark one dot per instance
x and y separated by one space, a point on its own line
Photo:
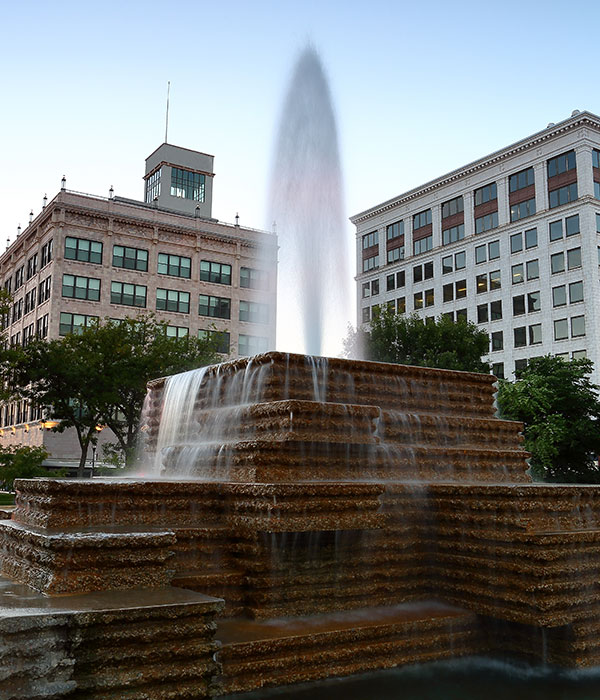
559 406
20 462
408 340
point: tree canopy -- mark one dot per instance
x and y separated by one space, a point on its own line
559 406
99 376
21 462
409 340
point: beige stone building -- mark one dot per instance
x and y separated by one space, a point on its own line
84 258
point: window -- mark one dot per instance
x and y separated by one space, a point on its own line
572 225
531 239
460 260
461 315
559 295
221 339
448 292
533 269
520 336
429 297
495 280
486 222
46 256
520 365
522 210
517 273
187 184
447 265
485 194
519 305
374 288
497 341
423 245
535 334
453 234
130 258
252 345
172 300
418 273
19 277
44 289
30 300
520 180
366 314
128 294
366 290
494 250
390 283
561 329
561 164
17 310
394 230
215 307
555 230
428 270
83 250
577 326
176 332
452 207
534 302
578 354
460 289
575 292
370 239
75 287
557 263
395 254
562 195
401 305
400 279
174 265
596 189
217 273
496 310
253 279
595 158
573 258
480 254
418 300
32 266
482 313
498 370
153 186
254 312
422 219
41 326
516 243
75 323
481 283
370 263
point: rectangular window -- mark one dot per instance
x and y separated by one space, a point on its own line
448 292
187 184
370 239
41 326
522 210
75 323
214 307
153 186
481 283
220 338
447 265
460 260
453 234
555 230
572 225
253 312
174 265
390 283
394 230
401 305
32 266
366 290
128 294
535 334
460 289
557 263
374 288
428 270
252 345
486 222
573 258
482 313
561 329
595 158
517 272
429 297
370 263
497 341
534 302
172 300
559 295
498 370
561 164
400 279
421 219
83 250
577 326
44 289
253 279
366 314
494 250
395 254
485 194
75 287
596 189
520 180
422 245
461 315
418 300
177 332
531 238
215 272
533 269
519 305
562 195
19 277
30 300
496 310
495 280
418 273
130 258
452 207
516 243
480 254
46 256
575 292
520 336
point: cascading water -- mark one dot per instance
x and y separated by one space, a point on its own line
306 202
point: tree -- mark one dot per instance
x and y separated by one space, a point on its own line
408 340
20 462
99 376
559 407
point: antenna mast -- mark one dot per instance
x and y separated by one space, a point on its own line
167 114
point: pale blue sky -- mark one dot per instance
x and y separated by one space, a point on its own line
419 89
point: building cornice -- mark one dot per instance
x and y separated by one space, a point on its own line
582 119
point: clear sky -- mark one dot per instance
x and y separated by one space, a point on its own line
419 89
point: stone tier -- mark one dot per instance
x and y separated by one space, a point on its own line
276 376
257 655
134 645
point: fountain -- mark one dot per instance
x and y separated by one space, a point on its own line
351 515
